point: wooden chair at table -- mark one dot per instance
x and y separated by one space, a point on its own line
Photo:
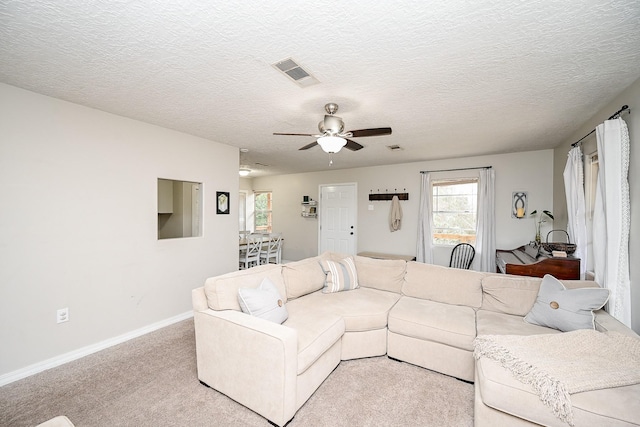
462 256
273 249
251 256
279 250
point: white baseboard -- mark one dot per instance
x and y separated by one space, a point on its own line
85 351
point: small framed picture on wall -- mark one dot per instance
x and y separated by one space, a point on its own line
222 202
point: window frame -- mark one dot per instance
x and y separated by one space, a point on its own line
267 212
451 180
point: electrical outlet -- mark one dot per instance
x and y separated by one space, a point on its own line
62 315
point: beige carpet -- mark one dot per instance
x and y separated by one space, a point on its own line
152 381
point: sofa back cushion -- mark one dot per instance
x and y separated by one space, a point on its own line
303 277
382 274
504 293
222 291
443 284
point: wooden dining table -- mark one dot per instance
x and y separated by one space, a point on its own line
243 241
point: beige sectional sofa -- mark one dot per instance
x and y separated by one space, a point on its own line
423 314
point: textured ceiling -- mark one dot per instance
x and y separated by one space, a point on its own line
455 78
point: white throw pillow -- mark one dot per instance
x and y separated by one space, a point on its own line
566 309
264 301
341 275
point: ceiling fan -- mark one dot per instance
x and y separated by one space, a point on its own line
332 136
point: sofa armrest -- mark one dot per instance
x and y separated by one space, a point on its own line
199 299
606 322
251 360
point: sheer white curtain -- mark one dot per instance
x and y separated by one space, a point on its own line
486 226
424 251
611 217
576 206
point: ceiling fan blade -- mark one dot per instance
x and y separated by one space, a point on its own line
306 147
353 146
370 132
294 134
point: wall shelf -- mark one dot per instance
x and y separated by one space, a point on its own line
309 209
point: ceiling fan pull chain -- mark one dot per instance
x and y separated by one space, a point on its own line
330 159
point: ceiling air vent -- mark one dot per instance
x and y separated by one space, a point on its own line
394 147
295 72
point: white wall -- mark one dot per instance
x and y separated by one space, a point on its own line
530 171
630 97
78 225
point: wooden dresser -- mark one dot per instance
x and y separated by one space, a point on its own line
528 260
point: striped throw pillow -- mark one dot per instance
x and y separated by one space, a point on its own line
341 275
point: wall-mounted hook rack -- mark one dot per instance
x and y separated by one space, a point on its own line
388 196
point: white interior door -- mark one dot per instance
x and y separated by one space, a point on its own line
338 215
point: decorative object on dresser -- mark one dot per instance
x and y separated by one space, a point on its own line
539 222
567 247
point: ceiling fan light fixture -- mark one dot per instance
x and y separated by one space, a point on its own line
244 171
331 144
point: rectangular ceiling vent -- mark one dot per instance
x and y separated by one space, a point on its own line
394 147
295 72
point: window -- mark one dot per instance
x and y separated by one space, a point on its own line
263 206
454 207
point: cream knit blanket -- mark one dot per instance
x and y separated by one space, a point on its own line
558 365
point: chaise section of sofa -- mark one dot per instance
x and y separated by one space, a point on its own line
502 400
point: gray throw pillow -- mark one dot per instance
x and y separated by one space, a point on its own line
566 309
264 302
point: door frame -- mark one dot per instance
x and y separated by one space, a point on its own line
355 212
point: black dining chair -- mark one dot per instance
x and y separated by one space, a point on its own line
462 256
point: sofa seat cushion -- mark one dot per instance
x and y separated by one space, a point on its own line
453 325
362 309
494 323
611 407
317 332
